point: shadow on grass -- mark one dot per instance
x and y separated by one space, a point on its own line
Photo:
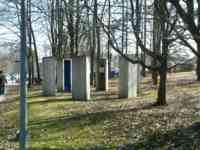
71 148
94 117
67 99
95 96
43 148
106 99
9 101
51 100
35 96
177 139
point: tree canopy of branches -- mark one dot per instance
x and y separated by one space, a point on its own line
99 28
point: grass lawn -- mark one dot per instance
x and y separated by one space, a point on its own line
109 123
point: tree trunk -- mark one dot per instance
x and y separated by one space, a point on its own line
198 63
32 69
93 50
156 41
109 64
198 69
36 56
77 26
163 71
143 72
161 100
30 55
123 25
155 77
145 38
98 59
138 21
109 29
30 77
92 67
71 26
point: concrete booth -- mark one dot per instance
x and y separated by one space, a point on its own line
81 78
49 76
103 75
68 75
128 78
72 75
64 75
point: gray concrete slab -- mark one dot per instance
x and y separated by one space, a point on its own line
128 78
49 76
60 75
81 78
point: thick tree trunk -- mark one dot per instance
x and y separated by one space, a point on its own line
198 69
156 41
161 100
163 73
198 63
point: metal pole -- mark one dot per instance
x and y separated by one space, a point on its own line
23 88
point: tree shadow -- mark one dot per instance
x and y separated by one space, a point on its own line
106 98
9 101
95 96
48 148
177 139
40 94
50 101
102 93
101 147
35 96
94 117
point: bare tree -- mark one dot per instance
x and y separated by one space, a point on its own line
191 18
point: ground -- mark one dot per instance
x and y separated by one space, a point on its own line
109 123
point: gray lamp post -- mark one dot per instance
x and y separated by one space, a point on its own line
23 89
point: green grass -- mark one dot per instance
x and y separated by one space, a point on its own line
57 123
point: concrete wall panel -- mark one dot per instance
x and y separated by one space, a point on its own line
81 78
128 79
49 76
